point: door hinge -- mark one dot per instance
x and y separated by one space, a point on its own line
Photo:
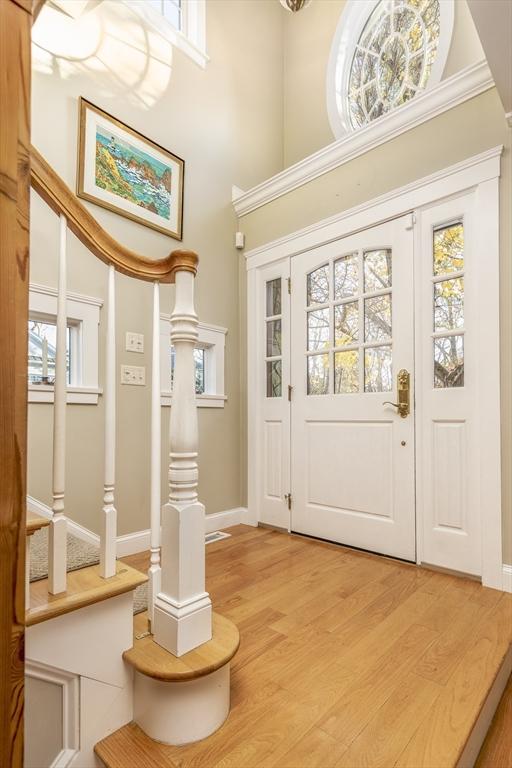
288 498
412 221
290 390
289 281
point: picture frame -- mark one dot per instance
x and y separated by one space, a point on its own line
127 173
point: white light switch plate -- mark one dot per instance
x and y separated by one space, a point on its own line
134 342
133 374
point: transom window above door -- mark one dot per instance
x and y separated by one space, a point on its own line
385 52
349 324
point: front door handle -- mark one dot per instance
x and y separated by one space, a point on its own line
403 385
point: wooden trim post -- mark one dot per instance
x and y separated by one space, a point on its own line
15 23
182 618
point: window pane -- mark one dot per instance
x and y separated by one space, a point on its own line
449 361
273 338
377 318
346 371
199 363
318 329
346 323
42 342
318 374
318 286
449 304
274 297
346 276
172 12
449 249
274 381
393 57
377 270
378 369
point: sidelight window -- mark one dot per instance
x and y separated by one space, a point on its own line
273 350
448 306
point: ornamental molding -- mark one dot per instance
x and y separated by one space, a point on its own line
397 202
464 85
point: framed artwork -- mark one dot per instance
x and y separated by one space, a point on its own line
122 170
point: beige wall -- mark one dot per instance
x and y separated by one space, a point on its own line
307 40
467 130
226 122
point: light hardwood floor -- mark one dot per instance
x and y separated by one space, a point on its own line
346 659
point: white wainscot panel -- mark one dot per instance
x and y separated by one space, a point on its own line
349 466
273 431
449 474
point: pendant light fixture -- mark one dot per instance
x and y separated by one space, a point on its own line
294 5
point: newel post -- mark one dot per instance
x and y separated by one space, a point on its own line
182 617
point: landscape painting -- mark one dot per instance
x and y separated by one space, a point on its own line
134 175
125 172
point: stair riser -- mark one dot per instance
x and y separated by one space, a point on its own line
181 713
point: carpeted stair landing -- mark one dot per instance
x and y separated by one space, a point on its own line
79 555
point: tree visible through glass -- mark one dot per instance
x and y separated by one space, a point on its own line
393 58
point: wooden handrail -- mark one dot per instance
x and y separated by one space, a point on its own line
37 7
48 184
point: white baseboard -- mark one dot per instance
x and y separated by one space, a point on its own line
139 541
219 520
507 578
133 543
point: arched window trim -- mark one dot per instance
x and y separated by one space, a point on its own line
348 32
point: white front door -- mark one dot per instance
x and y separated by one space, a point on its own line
352 350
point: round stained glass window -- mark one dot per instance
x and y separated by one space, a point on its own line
393 57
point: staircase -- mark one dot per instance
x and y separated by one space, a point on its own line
167 669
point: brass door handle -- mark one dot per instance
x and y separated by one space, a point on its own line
403 381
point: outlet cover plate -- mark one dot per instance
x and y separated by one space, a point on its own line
134 342
134 375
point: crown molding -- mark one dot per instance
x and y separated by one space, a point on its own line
397 202
449 93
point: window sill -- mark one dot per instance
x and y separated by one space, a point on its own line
43 393
203 401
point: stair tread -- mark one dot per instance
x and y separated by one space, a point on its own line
152 660
129 745
84 587
35 523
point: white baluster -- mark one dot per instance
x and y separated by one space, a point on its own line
27 572
58 525
109 513
154 572
182 612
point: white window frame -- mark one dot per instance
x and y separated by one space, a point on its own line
348 32
211 338
83 315
191 38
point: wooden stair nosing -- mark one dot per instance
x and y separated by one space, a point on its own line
84 587
35 523
150 659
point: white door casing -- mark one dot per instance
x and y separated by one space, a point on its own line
472 188
352 455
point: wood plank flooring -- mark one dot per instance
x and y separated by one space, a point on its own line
346 659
